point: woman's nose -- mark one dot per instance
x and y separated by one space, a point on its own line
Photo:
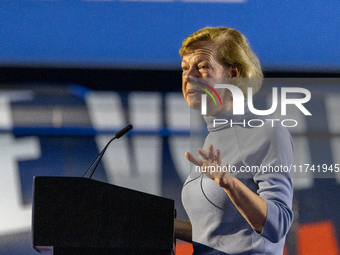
191 75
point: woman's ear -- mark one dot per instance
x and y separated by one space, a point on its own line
235 71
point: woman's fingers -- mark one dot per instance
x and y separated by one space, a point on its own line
210 162
203 153
211 152
210 155
218 157
193 159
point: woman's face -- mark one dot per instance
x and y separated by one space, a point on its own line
201 63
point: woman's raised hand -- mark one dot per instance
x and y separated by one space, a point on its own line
210 165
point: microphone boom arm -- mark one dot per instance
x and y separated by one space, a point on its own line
119 134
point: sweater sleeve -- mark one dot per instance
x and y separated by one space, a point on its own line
275 184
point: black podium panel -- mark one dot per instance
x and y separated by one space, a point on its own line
75 215
109 251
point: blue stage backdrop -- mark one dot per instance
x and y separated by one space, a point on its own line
286 35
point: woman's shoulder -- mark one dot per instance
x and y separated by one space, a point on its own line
269 133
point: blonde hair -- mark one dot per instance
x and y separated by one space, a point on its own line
233 50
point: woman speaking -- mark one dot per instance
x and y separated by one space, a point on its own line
233 212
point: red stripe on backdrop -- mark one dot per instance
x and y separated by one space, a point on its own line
285 251
183 248
317 238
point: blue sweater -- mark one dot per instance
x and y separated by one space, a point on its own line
217 226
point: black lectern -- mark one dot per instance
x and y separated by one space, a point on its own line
73 216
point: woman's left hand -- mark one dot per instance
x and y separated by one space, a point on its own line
210 165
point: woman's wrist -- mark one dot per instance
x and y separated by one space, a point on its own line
226 182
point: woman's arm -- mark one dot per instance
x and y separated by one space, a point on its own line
252 207
269 211
183 230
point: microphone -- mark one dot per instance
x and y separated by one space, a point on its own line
122 132
118 135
